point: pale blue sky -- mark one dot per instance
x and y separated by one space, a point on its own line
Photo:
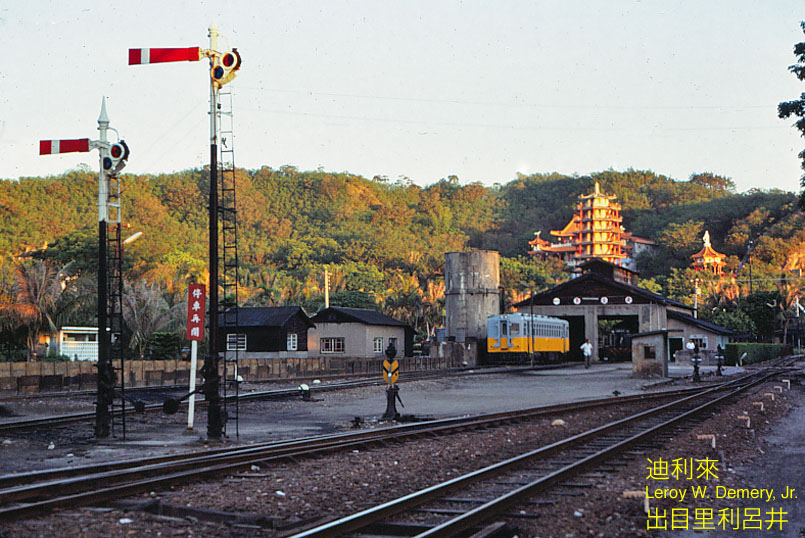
419 89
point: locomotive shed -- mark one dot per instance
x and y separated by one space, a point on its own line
605 292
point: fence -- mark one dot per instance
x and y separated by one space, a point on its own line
32 377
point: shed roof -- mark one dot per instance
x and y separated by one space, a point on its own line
267 316
701 323
590 277
341 314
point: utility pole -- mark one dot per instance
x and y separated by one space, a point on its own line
749 253
112 159
326 288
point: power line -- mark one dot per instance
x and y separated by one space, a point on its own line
586 128
507 104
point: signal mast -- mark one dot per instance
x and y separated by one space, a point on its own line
112 159
223 67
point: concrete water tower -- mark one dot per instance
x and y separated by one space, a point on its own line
471 292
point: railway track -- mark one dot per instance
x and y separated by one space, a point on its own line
345 378
85 416
32 493
474 503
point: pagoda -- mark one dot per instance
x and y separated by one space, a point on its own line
707 258
595 231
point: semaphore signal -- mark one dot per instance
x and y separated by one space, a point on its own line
223 67
155 56
112 159
52 147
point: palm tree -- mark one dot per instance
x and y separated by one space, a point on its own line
145 311
35 299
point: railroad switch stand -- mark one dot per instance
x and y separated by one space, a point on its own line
391 371
392 395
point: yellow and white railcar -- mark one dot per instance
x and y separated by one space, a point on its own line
512 336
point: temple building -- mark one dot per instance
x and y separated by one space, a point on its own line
707 258
594 232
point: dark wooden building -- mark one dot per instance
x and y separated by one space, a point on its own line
267 332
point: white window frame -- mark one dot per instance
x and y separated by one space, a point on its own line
292 342
702 341
332 344
377 344
235 342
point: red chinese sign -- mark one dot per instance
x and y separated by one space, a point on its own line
196 298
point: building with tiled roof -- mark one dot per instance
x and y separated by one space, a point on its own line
594 232
707 258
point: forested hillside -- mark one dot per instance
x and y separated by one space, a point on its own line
383 242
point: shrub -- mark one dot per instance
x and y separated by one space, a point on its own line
755 352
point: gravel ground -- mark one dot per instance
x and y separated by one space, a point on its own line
260 421
604 512
343 483
346 482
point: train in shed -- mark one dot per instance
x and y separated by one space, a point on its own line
514 338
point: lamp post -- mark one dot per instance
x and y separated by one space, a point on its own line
127 241
696 292
530 323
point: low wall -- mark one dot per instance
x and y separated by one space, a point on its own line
33 377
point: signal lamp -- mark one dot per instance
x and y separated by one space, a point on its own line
115 161
224 67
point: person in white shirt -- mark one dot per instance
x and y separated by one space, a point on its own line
587 351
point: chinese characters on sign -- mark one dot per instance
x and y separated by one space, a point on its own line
196 298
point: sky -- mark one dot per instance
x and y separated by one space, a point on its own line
416 89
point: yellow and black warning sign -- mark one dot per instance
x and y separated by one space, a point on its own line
391 371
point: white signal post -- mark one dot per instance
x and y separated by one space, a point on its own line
191 402
108 168
195 332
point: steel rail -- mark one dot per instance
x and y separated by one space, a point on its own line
71 418
417 428
68 492
491 509
210 464
83 393
361 377
472 518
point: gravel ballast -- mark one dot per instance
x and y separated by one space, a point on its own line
345 482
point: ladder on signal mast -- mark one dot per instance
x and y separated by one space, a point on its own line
228 276
114 316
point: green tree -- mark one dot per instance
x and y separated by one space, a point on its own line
35 302
717 184
145 311
762 307
353 299
786 109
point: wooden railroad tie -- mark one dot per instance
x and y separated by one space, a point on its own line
769 394
746 418
708 437
636 494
